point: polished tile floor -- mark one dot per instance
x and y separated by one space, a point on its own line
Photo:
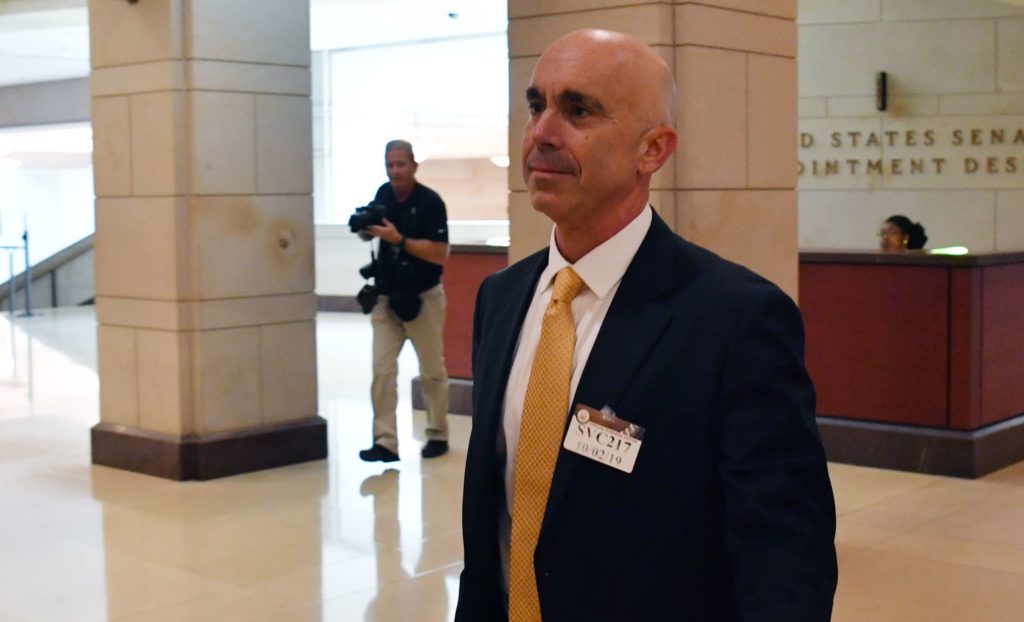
340 540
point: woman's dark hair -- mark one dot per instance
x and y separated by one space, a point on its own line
913 230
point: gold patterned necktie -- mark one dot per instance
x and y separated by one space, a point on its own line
540 435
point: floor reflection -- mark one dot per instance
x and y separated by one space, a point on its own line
342 540
330 540
55 348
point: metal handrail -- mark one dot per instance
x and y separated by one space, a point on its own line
47 266
28 275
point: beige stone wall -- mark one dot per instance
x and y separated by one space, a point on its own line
472 188
204 239
731 185
954 66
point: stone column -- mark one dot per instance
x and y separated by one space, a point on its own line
731 186
736 169
204 236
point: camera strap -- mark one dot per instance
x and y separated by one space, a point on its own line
373 261
409 221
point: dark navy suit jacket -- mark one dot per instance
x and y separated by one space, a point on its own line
728 513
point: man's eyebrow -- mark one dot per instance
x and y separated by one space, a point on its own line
576 98
533 93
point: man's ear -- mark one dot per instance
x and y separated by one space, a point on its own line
656 147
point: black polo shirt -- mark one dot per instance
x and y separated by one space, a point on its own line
422 217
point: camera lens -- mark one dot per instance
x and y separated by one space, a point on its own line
365 216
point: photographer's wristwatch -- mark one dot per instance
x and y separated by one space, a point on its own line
401 244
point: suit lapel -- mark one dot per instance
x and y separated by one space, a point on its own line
636 319
509 306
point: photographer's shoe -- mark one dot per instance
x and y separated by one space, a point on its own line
378 453
434 449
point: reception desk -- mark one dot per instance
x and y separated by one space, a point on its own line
918 360
467 267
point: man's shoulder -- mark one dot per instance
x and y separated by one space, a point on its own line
702 272
510 278
426 193
526 267
727 278
692 258
714 266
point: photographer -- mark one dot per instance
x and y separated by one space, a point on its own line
412 226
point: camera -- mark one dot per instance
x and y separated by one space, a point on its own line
369 270
371 214
367 298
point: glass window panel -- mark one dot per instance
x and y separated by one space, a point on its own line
449 98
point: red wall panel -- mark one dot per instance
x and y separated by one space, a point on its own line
877 345
1002 349
965 348
463 274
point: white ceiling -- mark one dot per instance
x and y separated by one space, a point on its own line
54 44
42 46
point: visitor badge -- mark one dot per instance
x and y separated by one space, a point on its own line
601 436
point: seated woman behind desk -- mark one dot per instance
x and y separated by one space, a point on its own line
899 233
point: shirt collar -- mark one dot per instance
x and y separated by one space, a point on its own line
605 265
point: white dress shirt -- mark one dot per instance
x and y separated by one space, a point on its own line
601 270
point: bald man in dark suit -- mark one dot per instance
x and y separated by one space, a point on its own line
708 497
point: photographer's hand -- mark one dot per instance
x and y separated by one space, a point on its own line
427 250
387 232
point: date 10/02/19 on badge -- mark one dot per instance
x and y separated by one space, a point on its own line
601 436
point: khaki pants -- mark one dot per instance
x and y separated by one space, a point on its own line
389 335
